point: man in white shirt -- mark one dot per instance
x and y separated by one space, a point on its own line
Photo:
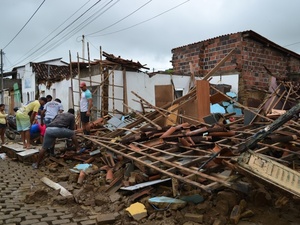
86 104
51 109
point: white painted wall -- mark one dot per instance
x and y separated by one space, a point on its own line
144 86
58 90
140 83
28 83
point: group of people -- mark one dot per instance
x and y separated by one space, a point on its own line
45 116
52 123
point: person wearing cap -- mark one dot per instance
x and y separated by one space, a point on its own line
86 104
25 117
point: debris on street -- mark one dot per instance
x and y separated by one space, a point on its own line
176 166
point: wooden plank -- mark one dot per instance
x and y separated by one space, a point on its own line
203 98
172 118
163 94
192 77
263 133
216 98
58 161
125 99
210 73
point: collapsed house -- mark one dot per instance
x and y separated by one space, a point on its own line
179 140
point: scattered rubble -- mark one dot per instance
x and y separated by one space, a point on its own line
167 166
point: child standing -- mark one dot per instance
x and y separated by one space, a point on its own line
3 125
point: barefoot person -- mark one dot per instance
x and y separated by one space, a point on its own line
3 121
25 117
62 126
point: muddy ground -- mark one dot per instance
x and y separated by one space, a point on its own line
261 205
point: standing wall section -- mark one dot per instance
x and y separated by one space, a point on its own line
248 61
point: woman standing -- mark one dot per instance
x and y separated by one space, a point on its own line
3 116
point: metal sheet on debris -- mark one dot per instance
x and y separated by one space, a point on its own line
142 185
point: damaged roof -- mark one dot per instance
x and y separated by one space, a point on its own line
48 74
112 61
125 63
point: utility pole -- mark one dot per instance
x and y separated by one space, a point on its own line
83 48
2 93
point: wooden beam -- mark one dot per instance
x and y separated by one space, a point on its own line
210 73
203 98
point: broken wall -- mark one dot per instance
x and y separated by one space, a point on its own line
253 53
143 85
140 83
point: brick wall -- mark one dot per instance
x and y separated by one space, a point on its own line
248 61
205 55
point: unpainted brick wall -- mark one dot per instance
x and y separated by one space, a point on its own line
248 61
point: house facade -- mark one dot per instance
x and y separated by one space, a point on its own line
254 59
111 81
40 79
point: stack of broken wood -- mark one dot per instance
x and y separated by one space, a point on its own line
165 143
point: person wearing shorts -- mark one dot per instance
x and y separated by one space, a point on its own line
62 126
86 104
25 117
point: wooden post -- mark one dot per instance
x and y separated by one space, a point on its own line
125 100
260 135
71 75
203 98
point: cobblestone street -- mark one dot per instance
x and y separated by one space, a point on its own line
18 179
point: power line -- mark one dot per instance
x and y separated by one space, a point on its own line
28 54
292 44
79 27
24 25
64 29
120 19
144 21
5 57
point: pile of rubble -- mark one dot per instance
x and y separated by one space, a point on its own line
167 166
171 167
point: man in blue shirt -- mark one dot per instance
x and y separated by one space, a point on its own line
86 104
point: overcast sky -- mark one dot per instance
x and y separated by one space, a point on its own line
139 30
